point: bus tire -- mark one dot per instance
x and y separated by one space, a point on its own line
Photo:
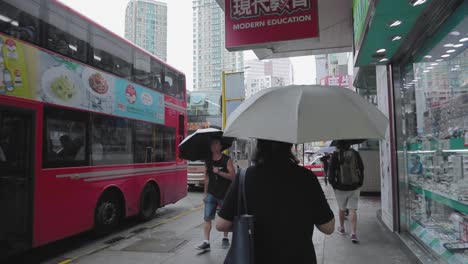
109 212
149 202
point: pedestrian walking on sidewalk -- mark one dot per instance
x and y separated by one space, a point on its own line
286 201
325 159
219 174
346 175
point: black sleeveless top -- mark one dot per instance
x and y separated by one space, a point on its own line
217 185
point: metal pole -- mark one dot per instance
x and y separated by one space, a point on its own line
303 154
223 95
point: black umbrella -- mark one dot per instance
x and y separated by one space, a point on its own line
197 145
334 143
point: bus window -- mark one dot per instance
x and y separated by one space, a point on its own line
181 92
171 82
111 55
144 142
64 138
65 44
20 20
169 143
157 72
68 36
142 70
111 140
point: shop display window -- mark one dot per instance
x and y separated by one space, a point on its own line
434 149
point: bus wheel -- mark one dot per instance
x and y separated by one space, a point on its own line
149 202
108 213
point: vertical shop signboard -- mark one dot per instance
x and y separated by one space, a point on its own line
360 9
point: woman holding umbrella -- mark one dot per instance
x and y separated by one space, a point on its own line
286 200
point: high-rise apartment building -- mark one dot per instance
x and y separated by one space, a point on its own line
146 26
264 74
210 57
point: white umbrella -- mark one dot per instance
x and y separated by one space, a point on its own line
299 114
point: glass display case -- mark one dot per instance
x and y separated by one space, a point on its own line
434 146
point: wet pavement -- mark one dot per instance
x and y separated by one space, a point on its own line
172 236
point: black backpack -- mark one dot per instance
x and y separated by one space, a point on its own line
349 175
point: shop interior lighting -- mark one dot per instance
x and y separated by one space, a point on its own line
440 60
448 45
463 40
421 151
417 2
72 47
456 150
430 68
384 59
381 50
394 23
5 19
16 24
395 38
428 56
445 56
434 64
426 71
97 58
455 33
458 45
451 51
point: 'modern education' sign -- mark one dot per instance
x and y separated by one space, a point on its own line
252 23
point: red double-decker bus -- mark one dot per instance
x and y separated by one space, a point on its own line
89 125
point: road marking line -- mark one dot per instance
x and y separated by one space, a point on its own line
177 216
67 261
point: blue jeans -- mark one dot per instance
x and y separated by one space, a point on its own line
211 204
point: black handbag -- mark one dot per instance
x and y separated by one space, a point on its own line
242 247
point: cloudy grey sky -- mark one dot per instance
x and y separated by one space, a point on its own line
111 14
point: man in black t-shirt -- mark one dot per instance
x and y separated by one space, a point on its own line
219 174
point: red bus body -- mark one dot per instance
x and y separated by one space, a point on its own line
63 200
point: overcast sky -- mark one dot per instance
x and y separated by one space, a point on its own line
111 14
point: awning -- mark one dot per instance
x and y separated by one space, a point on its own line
391 26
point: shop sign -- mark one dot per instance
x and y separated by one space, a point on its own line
360 9
251 23
337 80
192 126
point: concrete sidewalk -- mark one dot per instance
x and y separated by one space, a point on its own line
175 241
377 244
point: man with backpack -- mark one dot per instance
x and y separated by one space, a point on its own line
346 176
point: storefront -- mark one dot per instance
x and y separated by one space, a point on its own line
421 81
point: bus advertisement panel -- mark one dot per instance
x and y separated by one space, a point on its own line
53 79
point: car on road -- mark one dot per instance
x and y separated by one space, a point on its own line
316 166
196 173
